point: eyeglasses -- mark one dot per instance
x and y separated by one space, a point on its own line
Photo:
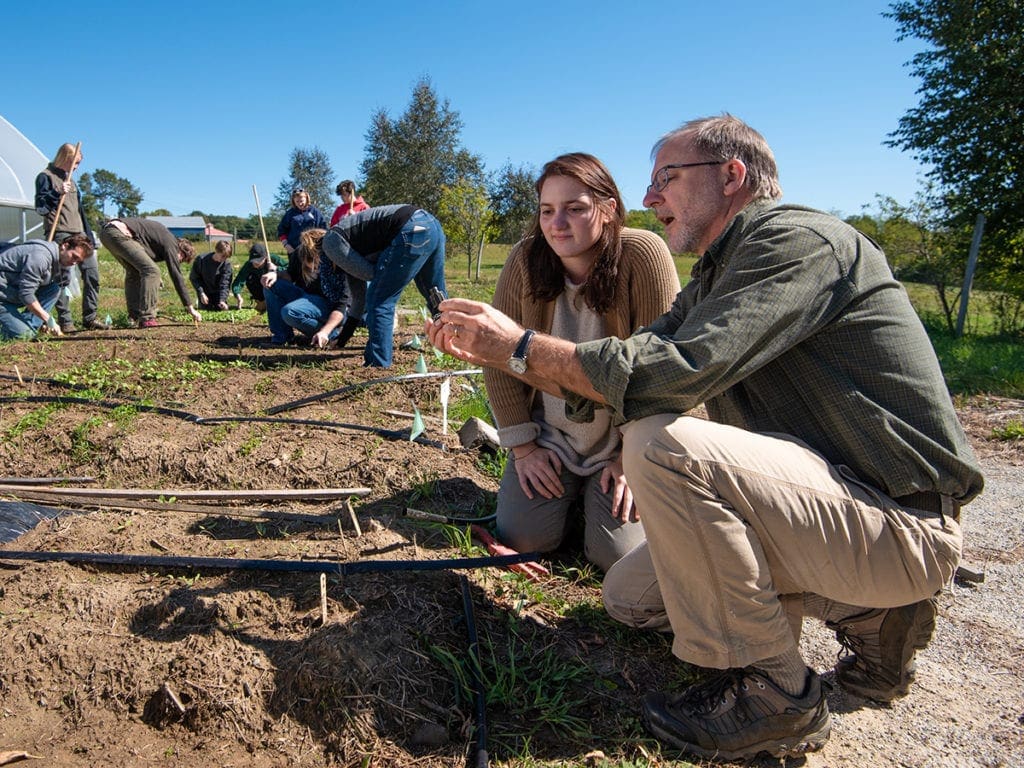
662 179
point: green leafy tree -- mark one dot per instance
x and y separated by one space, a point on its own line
106 187
967 125
465 213
921 246
645 218
513 201
90 205
411 159
311 170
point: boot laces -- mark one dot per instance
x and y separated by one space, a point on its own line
718 690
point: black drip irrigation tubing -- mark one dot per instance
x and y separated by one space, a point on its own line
479 694
393 434
289 566
362 384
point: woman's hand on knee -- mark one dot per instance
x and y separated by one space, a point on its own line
540 470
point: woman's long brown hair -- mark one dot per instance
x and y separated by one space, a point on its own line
544 269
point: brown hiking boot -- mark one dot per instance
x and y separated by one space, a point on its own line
741 713
883 642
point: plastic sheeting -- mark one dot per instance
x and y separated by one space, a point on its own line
20 163
18 517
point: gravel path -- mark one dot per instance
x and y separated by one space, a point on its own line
967 706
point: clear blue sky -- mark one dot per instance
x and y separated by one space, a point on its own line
196 102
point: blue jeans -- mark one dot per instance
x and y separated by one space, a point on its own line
416 253
16 322
290 308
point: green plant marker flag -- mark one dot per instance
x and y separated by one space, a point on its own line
421 365
438 353
415 342
417 424
425 314
109 320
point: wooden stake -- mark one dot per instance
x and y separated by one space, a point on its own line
263 229
323 599
352 514
320 494
173 698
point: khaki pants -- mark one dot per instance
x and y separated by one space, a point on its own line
141 273
740 525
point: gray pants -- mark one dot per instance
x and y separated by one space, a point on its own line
141 273
740 525
89 275
540 525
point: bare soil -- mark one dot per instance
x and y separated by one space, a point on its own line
127 666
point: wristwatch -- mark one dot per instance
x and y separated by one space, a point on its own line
517 363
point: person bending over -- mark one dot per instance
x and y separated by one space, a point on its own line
296 300
30 282
211 277
382 250
139 245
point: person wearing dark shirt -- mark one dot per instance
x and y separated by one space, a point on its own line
296 300
53 184
211 277
251 275
382 250
301 216
139 245
827 481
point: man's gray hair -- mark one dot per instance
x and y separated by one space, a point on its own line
725 137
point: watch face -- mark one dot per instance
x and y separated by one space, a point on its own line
517 364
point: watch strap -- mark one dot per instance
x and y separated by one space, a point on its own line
523 346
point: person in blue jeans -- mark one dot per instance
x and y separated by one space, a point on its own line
382 250
296 300
30 283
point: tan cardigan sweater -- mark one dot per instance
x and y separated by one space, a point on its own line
647 284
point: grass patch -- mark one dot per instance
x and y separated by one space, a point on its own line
34 421
978 364
82 448
527 688
1014 430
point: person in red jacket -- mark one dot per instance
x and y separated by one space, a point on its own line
350 201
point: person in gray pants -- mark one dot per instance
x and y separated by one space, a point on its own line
53 184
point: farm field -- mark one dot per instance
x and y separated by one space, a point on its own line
121 665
